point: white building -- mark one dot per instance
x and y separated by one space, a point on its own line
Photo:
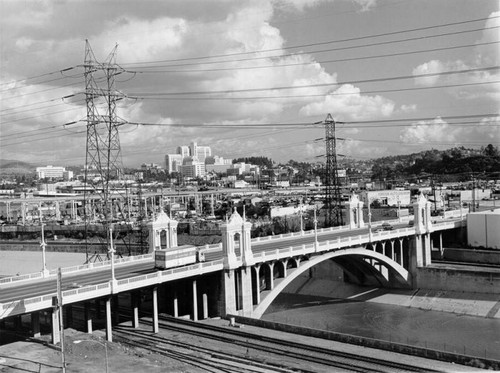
217 164
173 162
183 151
191 168
482 229
50 172
200 152
387 197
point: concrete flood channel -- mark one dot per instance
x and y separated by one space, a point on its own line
363 316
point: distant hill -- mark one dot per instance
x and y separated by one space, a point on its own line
13 167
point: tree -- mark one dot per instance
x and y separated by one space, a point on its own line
490 151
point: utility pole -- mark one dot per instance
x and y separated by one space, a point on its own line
103 153
333 201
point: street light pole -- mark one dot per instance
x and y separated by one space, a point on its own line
301 222
369 221
112 258
315 230
43 244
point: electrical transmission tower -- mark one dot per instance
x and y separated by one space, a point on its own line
333 202
103 161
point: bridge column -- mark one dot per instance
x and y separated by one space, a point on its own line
401 260
136 300
420 252
392 250
176 304
155 310
109 322
195 301
257 284
56 332
271 276
35 324
284 263
383 248
246 291
441 250
228 304
87 316
205 306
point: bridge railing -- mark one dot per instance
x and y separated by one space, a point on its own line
333 244
65 270
29 276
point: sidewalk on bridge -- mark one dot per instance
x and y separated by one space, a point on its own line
14 263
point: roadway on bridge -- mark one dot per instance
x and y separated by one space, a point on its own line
98 276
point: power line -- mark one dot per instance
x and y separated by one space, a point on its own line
38 76
311 62
368 123
315 44
42 90
315 94
464 71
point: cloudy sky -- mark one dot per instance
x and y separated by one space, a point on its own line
251 78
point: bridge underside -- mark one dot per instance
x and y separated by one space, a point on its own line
360 266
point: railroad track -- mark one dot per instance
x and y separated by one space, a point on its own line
256 353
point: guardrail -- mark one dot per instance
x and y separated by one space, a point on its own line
83 267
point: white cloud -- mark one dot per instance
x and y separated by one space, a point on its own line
301 5
482 56
436 130
347 103
408 108
431 67
439 132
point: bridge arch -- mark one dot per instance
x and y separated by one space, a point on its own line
359 254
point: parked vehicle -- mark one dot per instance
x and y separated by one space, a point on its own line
387 227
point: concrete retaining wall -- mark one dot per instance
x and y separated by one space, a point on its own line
458 280
372 343
472 256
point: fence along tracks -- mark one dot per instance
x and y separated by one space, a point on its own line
221 349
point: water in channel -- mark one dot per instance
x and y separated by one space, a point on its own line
464 334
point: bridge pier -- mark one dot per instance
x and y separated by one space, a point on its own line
155 309
135 299
109 327
195 301
205 306
35 324
246 291
271 276
228 305
176 304
257 284
56 335
87 316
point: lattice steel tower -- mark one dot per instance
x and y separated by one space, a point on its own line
103 161
333 201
